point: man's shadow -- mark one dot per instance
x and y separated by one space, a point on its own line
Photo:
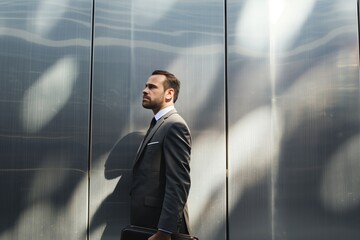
114 211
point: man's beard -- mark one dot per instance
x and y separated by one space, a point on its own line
148 105
152 105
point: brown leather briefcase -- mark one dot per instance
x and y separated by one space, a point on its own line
140 233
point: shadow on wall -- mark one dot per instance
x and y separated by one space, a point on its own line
39 191
114 211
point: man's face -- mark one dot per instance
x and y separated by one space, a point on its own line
154 93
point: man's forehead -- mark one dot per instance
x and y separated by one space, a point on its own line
156 79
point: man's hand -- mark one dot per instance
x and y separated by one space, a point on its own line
160 236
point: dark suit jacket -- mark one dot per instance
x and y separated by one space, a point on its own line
161 176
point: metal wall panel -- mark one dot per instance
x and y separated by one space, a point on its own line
293 114
44 102
293 85
133 38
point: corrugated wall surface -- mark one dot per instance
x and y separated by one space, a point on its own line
270 90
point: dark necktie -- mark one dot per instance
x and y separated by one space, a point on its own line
152 124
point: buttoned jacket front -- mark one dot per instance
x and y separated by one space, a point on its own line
161 176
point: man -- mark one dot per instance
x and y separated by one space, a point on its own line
161 171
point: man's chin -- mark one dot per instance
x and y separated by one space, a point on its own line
146 106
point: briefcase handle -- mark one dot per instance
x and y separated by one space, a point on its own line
132 232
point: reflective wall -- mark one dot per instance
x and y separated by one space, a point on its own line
270 91
133 38
45 49
293 92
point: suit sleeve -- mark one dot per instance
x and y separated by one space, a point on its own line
177 148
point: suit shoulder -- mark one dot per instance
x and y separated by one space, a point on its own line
175 127
175 118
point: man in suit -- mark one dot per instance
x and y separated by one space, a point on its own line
161 171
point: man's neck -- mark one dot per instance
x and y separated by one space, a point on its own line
163 111
155 111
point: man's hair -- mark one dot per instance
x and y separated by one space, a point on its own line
170 82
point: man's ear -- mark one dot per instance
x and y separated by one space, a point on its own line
169 94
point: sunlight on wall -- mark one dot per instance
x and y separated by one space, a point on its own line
98 181
48 14
340 183
276 10
256 151
285 19
207 193
253 16
42 217
253 154
189 60
146 13
48 95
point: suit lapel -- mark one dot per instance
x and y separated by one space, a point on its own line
152 132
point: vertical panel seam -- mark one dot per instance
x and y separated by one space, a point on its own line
358 24
90 115
226 126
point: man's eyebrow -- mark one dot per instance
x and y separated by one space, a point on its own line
150 85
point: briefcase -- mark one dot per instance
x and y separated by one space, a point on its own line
141 233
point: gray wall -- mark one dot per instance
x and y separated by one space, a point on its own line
293 92
45 49
270 90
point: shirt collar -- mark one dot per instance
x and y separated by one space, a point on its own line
163 111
